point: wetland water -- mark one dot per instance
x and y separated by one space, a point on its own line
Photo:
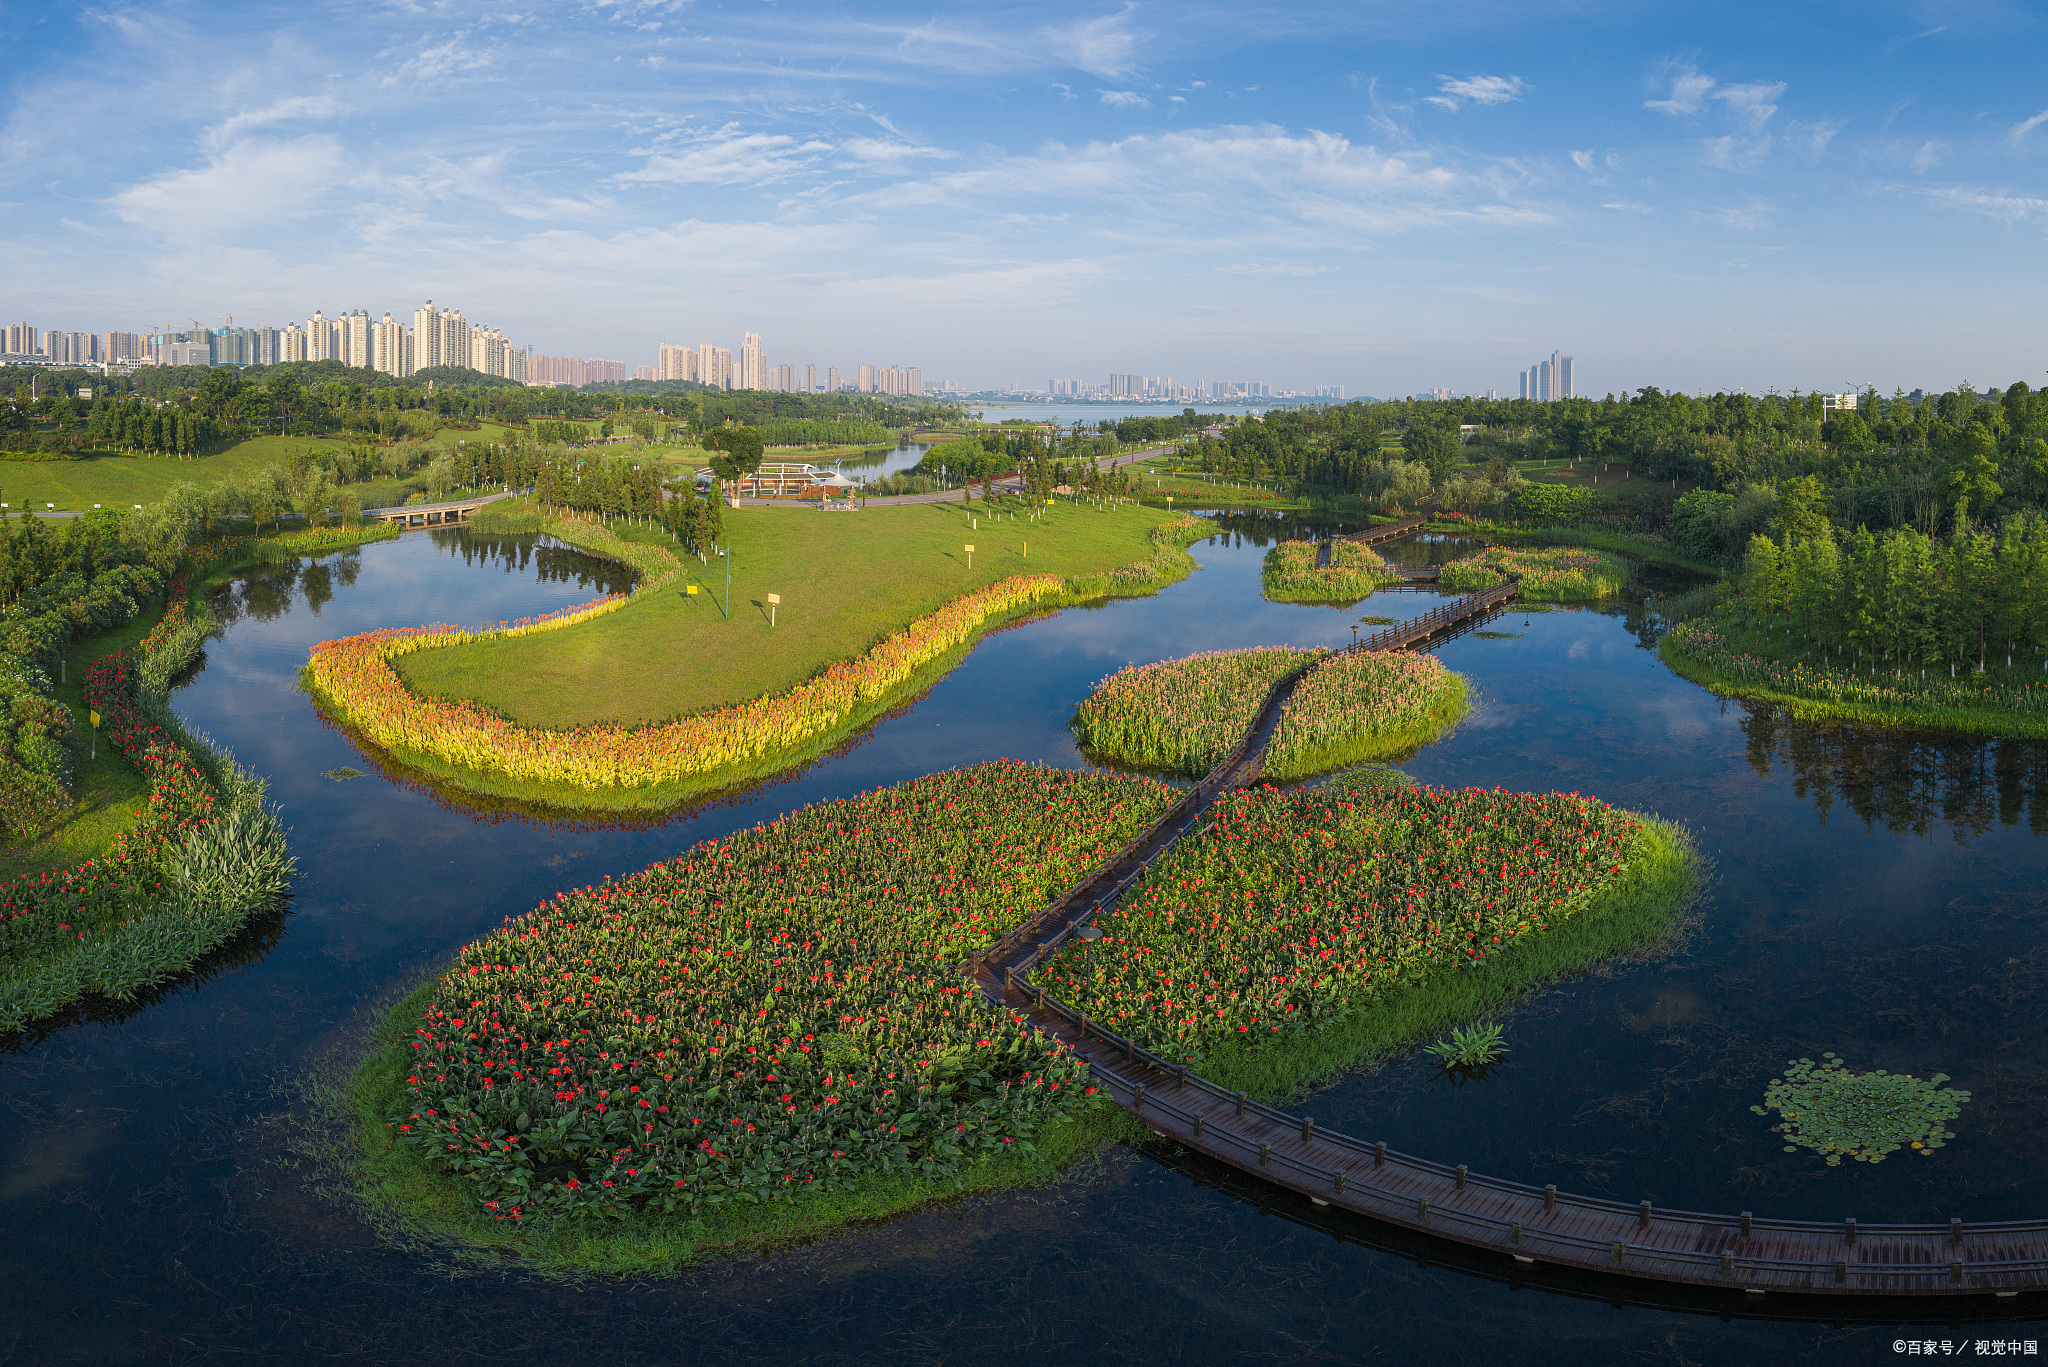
1877 896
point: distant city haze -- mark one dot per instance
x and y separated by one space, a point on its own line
1318 199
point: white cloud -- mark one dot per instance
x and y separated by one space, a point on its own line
1125 99
1477 89
437 63
877 152
1746 218
1811 139
1267 185
1688 90
1583 160
2026 126
1104 47
727 157
283 111
248 182
1066 91
1751 106
1999 205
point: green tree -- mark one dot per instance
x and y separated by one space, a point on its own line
1802 510
735 452
1973 474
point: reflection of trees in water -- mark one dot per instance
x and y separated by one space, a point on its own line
317 583
263 594
549 561
1256 528
1905 781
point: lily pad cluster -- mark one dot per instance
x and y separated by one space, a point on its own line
1840 1113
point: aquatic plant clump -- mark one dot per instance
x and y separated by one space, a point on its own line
1363 705
1556 574
771 1012
1472 1046
1298 909
1840 1113
1291 574
1183 716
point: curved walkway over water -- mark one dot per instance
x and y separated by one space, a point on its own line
1521 1223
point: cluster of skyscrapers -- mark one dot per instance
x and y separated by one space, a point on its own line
1162 388
713 365
1548 380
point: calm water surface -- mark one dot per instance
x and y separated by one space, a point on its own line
164 1199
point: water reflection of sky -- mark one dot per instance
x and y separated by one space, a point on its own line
1879 896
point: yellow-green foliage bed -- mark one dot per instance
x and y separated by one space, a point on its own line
1291 574
1552 574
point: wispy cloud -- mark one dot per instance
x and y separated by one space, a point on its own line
2003 206
252 181
1125 99
1105 47
726 157
1686 91
1457 90
283 111
2026 126
1746 218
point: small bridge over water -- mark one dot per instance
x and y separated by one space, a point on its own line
1519 1223
444 514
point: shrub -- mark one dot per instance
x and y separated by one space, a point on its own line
1363 705
1183 715
1291 574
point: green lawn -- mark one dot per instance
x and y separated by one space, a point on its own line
106 788
845 579
120 481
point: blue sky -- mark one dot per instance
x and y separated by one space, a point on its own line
1388 196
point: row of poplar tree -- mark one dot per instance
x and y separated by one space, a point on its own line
1906 598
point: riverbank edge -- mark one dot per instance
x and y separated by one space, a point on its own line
1628 920
1169 563
151 949
1451 705
1969 722
1614 543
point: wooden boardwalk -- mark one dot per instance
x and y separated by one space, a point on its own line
1523 1225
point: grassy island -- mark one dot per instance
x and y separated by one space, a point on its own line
1551 574
1182 716
1291 574
655 697
768 1037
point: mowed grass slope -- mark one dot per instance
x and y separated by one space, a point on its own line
120 481
845 579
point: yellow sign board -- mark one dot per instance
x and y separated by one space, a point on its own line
95 719
970 550
774 597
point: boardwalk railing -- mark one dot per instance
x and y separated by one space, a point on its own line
1515 1219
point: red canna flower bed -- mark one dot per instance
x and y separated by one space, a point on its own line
1302 907
44 914
774 1011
